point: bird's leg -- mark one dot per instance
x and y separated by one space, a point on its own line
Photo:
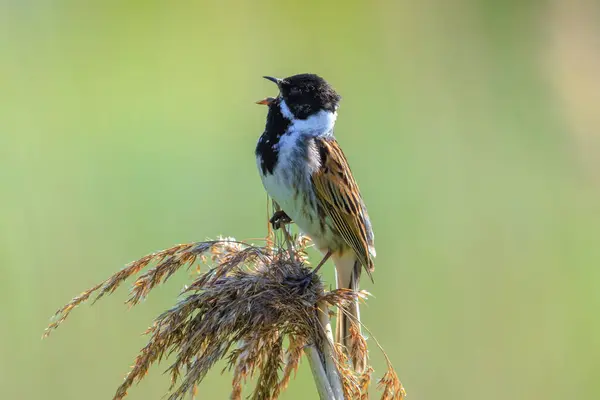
279 219
323 261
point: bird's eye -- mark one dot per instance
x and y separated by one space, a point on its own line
294 91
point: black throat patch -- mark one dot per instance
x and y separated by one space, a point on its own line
267 148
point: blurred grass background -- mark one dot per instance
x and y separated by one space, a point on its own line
471 126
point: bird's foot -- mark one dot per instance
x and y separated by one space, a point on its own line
301 284
279 219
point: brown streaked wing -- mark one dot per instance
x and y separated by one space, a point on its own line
338 194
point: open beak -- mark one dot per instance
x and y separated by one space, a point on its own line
267 101
274 80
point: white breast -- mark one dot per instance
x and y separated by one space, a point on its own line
291 175
290 184
290 195
291 187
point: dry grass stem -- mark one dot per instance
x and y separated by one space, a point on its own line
242 309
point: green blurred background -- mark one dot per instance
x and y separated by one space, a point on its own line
472 127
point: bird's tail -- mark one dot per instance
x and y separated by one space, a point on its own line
348 271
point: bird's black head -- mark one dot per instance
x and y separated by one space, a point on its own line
306 95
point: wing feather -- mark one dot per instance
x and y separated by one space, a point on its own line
338 194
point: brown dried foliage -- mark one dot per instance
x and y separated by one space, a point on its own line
241 310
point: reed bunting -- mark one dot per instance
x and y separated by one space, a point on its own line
304 170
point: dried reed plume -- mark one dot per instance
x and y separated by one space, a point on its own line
241 309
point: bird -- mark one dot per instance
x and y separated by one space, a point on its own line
306 173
